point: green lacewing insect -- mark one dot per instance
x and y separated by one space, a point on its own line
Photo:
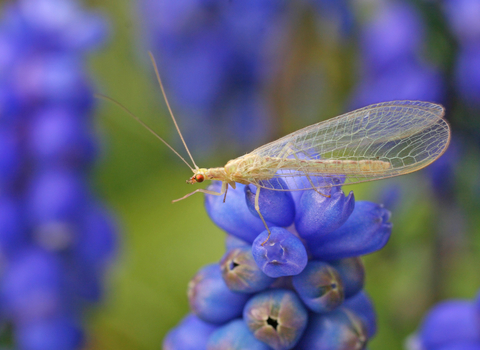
375 142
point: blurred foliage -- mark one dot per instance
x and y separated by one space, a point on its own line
164 244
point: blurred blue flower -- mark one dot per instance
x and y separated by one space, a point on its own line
56 240
467 73
405 80
190 334
392 65
56 333
339 12
217 58
394 33
450 324
462 16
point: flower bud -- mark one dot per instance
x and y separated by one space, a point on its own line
319 286
365 231
283 254
276 207
352 273
318 215
276 317
235 335
233 216
190 334
341 329
211 300
241 273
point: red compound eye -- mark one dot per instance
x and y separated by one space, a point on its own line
199 178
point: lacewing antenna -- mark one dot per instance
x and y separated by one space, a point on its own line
144 125
168 105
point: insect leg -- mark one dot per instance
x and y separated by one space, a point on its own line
222 191
257 208
226 189
310 180
289 149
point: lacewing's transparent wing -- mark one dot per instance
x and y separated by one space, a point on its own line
376 142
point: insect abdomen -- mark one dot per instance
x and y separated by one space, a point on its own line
335 166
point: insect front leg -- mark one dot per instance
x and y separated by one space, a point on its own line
257 208
222 191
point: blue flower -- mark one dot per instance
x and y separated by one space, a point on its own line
319 215
340 329
283 255
320 287
365 231
55 333
190 334
467 73
241 273
395 33
211 300
276 317
352 274
234 215
449 323
277 207
233 335
269 284
56 240
216 60
393 68
361 304
462 16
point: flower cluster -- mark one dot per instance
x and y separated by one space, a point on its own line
56 238
302 289
450 325
462 17
392 40
217 59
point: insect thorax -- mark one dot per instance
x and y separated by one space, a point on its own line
248 167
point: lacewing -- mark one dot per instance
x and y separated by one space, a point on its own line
375 142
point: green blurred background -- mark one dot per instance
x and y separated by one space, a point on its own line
164 244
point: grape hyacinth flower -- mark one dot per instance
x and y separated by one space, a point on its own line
302 289
56 238
450 325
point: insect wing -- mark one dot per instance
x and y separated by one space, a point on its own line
375 142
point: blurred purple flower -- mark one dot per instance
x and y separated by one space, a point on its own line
449 324
217 57
467 73
393 34
56 240
392 65
462 16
